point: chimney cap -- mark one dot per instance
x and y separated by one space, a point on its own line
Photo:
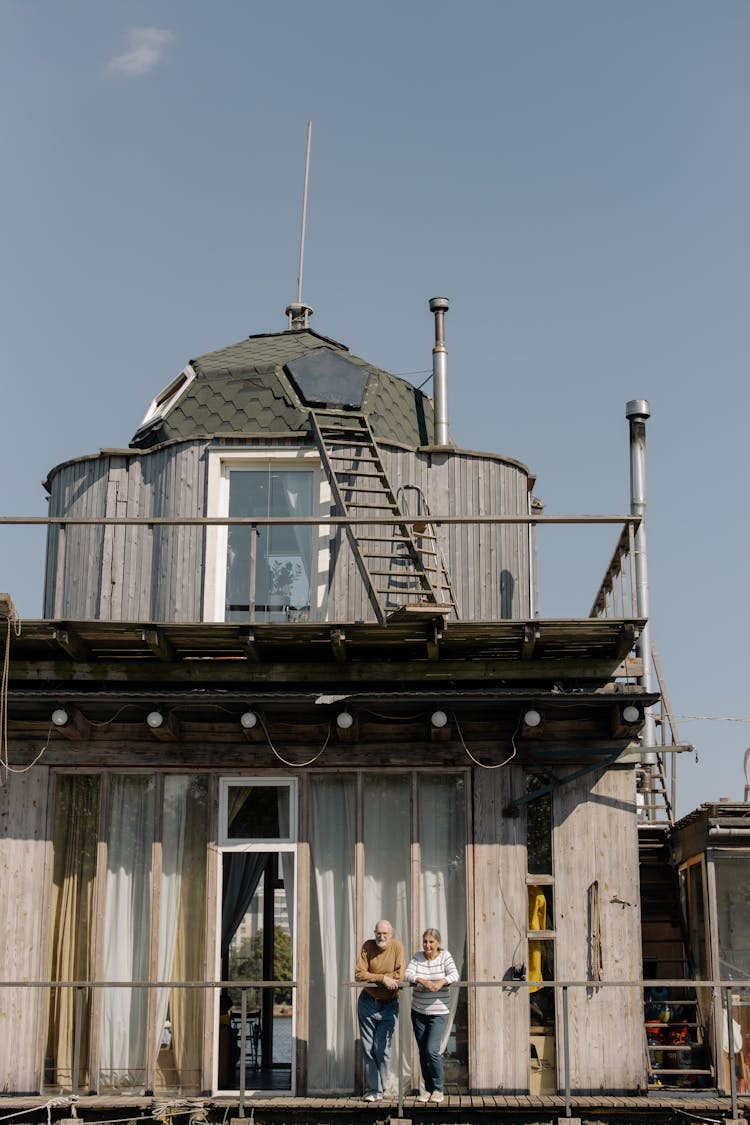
638 408
437 303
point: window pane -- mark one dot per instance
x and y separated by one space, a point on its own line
332 929
127 931
179 1020
387 883
283 555
258 812
539 834
733 913
442 895
72 919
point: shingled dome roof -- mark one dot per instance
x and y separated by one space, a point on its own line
267 385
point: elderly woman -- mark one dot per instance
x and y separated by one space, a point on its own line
431 972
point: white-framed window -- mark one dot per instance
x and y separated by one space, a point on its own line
165 400
256 911
256 813
270 573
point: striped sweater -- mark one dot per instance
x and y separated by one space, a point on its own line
441 967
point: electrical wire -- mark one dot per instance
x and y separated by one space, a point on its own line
496 765
294 765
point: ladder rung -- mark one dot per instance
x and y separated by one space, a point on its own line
362 473
368 491
365 458
372 508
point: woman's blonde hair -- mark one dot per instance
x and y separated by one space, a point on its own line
433 933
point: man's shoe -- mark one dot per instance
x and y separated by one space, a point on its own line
372 1098
424 1096
437 1096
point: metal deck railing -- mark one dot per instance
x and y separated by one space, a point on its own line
721 994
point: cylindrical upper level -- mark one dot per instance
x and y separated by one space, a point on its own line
232 437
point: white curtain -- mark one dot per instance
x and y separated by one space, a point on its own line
442 882
127 926
332 948
387 839
173 841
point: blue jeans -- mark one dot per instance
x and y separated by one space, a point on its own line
429 1032
377 1024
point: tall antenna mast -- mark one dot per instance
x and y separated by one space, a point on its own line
299 313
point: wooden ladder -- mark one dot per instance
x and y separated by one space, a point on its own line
402 569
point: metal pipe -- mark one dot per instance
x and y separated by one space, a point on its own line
637 412
566 1049
439 306
730 1055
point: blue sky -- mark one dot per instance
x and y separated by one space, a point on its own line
574 176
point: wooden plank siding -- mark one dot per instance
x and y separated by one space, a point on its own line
139 573
596 843
498 1018
23 869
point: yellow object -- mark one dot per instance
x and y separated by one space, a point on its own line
537 921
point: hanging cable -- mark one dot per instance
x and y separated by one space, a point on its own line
496 765
294 765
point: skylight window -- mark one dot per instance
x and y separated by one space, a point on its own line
167 398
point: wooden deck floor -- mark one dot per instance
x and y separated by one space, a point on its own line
461 1109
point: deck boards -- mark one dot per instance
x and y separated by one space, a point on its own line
455 1108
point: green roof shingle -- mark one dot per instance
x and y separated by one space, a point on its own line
244 389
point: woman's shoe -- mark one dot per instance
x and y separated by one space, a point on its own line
424 1096
437 1096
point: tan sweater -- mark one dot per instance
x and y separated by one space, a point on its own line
374 964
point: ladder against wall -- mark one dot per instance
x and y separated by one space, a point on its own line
400 563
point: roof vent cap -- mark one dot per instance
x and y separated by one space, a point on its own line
298 315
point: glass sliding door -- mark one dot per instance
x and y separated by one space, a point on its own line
257 831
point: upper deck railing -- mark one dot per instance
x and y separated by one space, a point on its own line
617 595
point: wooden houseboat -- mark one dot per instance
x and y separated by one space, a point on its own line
291 679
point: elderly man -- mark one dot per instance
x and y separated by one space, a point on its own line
382 965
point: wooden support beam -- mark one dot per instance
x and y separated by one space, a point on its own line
531 633
386 670
250 646
338 645
160 645
169 731
71 644
626 640
434 637
77 727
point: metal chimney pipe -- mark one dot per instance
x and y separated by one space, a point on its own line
637 412
439 306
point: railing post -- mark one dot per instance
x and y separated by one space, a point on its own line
76 1078
243 1047
566 1049
731 1054
253 571
400 1110
59 573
